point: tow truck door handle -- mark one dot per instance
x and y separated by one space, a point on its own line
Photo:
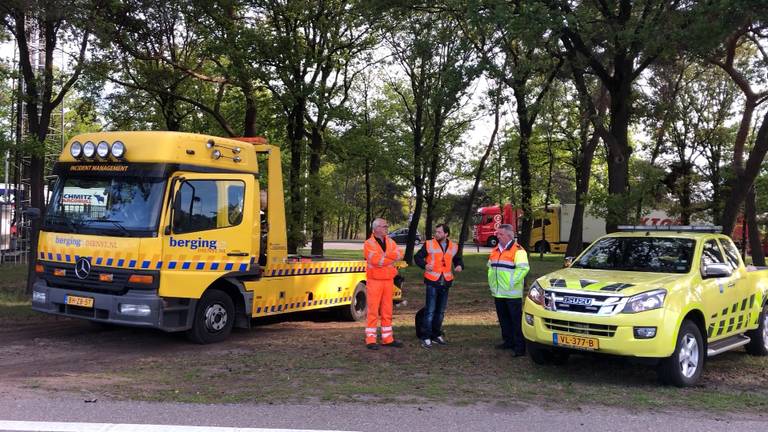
732 284
237 254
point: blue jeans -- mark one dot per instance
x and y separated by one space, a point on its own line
434 310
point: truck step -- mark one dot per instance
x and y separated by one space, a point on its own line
727 344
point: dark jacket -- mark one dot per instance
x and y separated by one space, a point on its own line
421 260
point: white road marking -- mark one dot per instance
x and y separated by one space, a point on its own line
113 427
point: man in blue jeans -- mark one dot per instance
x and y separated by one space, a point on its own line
439 258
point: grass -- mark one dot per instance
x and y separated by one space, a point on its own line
314 359
14 301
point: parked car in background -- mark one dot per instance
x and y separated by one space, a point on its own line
400 236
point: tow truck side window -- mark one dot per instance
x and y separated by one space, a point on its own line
711 254
208 204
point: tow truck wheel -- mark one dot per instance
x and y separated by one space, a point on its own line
758 344
214 317
492 241
683 368
358 309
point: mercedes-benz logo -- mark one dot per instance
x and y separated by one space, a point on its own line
82 268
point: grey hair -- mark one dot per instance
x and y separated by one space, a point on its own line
376 222
508 228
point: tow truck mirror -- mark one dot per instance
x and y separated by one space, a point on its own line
716 270
32 213
567 261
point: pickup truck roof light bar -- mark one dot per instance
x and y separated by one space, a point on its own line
675 228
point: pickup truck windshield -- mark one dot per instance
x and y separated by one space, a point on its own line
640 254
119 206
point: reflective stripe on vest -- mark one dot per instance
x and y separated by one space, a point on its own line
441 261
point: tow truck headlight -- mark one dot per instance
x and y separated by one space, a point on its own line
135 309
118 149
76 149
645 301
89 149
39 297
102 149
536 294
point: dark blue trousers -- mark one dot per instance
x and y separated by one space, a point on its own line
510 313
434 311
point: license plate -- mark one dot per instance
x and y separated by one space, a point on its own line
572 341
86 302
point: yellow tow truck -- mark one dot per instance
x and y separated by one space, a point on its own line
673 294
180 232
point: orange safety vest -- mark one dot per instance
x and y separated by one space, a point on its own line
381 264
442 261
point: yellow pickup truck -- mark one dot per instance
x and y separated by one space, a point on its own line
676 294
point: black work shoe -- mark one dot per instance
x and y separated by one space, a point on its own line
426 343
394 344
502 346
372 346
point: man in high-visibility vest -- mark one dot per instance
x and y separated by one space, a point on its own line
438 256
507 267
381 253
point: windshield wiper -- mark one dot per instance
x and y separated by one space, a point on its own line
122 229
62 217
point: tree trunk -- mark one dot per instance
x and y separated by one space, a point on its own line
315 191
750 216
249 122
743 183
368 209
619 152
418 182
478 176
583 173
526 194
295 130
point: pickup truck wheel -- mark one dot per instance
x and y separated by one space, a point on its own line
683 368
358 309
214 317
758 344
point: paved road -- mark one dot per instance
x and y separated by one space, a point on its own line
38 406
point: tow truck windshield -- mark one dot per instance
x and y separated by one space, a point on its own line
117 206
639 254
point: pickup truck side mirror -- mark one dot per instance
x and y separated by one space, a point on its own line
716 270
567 261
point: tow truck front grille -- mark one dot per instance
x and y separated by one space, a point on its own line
580 327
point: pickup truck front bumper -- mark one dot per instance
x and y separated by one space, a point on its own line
614 333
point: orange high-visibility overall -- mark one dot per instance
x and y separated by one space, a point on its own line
380 273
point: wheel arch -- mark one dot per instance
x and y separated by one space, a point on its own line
697 317
242 299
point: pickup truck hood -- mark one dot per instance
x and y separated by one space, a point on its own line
608 281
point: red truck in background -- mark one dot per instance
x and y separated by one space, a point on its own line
738 236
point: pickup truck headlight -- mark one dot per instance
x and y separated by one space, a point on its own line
536 294
645 301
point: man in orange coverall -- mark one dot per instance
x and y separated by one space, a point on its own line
380 252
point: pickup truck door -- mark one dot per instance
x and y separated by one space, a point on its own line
718 294
744 287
